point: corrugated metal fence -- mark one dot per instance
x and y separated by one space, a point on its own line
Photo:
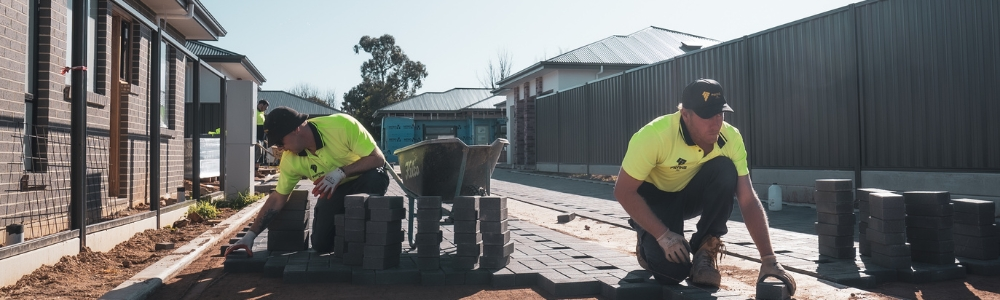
891 84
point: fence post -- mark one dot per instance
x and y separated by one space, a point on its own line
78 122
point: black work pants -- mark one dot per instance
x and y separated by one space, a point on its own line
709 194
372 182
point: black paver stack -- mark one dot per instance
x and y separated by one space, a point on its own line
468 238
887 231
928 226
497 245
383 232
428 237
289 230
355 219
975 233
835 217
864 212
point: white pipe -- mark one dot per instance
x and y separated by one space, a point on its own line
598 75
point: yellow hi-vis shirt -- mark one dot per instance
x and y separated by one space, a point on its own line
663 153
260 118
340 141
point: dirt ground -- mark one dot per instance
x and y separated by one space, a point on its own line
91 274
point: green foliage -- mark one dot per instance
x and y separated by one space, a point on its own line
240 200
204 209
388 77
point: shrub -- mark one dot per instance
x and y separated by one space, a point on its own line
204 209
241 200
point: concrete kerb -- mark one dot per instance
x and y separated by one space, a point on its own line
151 278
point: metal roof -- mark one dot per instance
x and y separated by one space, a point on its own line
238 65
203 49
488 103
299 104
451 100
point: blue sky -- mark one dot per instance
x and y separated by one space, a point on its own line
311 41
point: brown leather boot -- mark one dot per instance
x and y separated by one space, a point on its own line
638 251
704 269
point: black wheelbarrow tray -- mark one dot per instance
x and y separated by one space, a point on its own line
446 168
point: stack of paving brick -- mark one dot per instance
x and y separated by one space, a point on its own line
887 231
383 232
428 237
864 212
355 218
835 217
928 227
976 234
497 246
468 238
289 231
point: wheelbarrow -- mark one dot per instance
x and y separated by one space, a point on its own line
446 168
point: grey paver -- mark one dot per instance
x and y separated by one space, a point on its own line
929 222
833 185
771 290
927 197
974 206
838 197
933 210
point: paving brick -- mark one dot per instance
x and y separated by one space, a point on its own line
836 241
289 220
493 226
355 254
354 236
295 273
864 246
468 238
354 224
863 193
496 238
931 245
380 263
464 262
933 257
858 280
239 262
502 278
433 277
493 215
383 227
929 233
841 197
497 250
923 273
428 202
466 226
887 214
834 208
974 219
492 203
837 252
833 185
613 289
385 202
772 290
275 266
835 219
891 250
433 250
379 239
976 242
569 287
357 213
297 200
382 251
334 273
386 215
929 222
470 249
893 262
975 230
886 201
565 218
428 226
933 210
428 263
834 230
465 203
356 200
287 240
980 267
361 276
422 238
974 206
887 226
464 214
927 197
885 238
428 214
489 262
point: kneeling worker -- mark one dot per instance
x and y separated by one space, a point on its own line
336 152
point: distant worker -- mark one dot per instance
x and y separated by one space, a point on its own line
336 153
686 164
261 138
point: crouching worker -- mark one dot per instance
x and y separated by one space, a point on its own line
686 164
336 153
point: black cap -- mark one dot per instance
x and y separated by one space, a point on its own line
263 101
280 122
704 97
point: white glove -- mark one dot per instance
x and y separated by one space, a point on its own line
246 242
769 267
328 183
675 247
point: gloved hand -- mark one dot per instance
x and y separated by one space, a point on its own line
246 242
675 247
328 183
770 267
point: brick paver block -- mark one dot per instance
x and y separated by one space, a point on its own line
886 201
496 238
973 219
497 250
840 197
428 226
493 226
466 226
980 267
354 224
565 218
380 239
833 185
428 202
288 220
357 213
356 200
492 215
892 262
934 210
468 238
885 238
569 287
385 202
975 230
383 227
355 236
834 230
492 203
287 240
423 238
381 263
275 266
464 214
382 251
772 291
836 219
929 222
487 262
297 200
923 273
239 262
834 208
891 250
429 214
929 233
931 245
863 193
836 241
927 197
465 203
976 242
468 249
887 213
837 252
933 257
890 226
429 263
975 207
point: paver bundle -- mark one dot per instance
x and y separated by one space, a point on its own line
468 238
928 226
887 231
975 233
289 230
497 246
864 212
428 229
835 217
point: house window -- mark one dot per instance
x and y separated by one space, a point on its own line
439 132
91 62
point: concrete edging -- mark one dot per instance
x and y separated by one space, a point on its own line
151 278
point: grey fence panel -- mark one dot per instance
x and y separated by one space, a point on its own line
608 138
651 93
547 128
805 90
573 126
930 76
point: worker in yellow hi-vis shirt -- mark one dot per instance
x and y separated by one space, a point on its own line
336 153
686 164
260 115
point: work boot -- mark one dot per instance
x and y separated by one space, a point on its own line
704 269
638 251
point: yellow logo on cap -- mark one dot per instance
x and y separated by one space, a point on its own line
705 95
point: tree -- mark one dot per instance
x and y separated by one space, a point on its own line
496 72
312 93
388 77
